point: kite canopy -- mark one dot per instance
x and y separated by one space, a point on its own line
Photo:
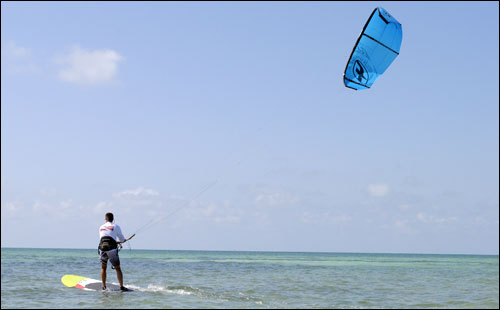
377 47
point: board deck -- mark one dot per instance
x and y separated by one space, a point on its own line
88 284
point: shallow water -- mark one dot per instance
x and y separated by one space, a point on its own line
211 279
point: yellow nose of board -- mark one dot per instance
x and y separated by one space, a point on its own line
71 280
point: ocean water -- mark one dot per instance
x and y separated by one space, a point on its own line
212 279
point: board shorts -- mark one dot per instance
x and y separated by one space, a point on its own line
112 255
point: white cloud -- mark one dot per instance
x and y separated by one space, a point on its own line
378 190
403 227
324 217
103 207
134 200
227 219
276 198
60 210
48 192
307 217
209 211
226 213
261 217
134 193
39 206
12 50
65 205
84 66
18 59
12 208
430 219
337 219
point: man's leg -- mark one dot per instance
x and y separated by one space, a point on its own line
103 274
115 261
119 275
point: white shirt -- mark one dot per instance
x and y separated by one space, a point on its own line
112 230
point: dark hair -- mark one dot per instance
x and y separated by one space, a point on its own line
109 217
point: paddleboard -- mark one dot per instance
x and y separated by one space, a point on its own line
88 284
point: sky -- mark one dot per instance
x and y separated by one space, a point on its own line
226 126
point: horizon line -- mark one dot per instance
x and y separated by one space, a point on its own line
263 251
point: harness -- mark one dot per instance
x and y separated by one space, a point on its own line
107 243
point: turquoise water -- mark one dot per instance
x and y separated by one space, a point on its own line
211 279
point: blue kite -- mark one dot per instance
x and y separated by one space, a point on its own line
377 47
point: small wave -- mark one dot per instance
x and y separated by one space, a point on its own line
188 290
178 290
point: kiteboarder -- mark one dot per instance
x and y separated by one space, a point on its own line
108 249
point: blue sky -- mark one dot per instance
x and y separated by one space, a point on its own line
137 107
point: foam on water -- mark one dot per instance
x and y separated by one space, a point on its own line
164 289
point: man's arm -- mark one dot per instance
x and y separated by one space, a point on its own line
119 234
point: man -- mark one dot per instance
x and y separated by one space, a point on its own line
108 249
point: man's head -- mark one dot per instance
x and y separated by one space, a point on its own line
109 217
